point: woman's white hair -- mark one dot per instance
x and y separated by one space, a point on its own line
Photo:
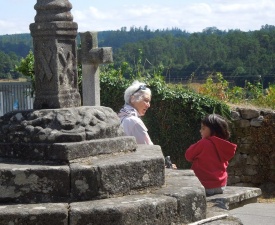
137 90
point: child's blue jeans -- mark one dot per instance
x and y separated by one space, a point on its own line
214 191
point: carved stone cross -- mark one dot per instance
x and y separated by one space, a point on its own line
90 56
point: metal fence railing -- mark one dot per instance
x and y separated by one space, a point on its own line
15 96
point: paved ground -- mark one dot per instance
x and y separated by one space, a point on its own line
250 214
240 207
255 214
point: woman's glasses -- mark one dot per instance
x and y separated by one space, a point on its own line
141 87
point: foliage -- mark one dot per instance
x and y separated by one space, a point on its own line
253 91
26 67
270 96
235 95
20 44
7 64
12 49
112 86
217 88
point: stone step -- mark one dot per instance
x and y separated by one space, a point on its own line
67 151
220 205
30 183
190 194
180 200
119 174
87 178
34 214
235 196
133 209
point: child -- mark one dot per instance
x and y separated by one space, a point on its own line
210 155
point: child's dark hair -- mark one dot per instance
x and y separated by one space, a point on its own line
217 125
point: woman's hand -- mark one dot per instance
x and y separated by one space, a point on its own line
174 167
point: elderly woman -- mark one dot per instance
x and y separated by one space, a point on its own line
137 99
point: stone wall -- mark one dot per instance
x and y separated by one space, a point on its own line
253 130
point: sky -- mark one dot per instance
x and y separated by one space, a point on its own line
189 15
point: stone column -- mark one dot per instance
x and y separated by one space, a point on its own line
55 54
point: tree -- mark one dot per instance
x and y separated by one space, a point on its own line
26 67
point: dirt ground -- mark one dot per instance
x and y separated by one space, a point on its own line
266 198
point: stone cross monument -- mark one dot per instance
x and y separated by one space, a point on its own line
62 163
55 53
90 57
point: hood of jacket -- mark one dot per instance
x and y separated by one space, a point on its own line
226 150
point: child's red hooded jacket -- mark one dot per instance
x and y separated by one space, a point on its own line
209 158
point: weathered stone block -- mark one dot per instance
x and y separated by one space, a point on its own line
235 197
250 170
246 140
238 160
240 132
60 125
133 209
101 55
244 149
252 160
117 174
22 183
246 179
257 122
67 151
243 123
233 180
34 214
235 115
248 113
190 194
239 171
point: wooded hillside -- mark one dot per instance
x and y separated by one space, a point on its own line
238 55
